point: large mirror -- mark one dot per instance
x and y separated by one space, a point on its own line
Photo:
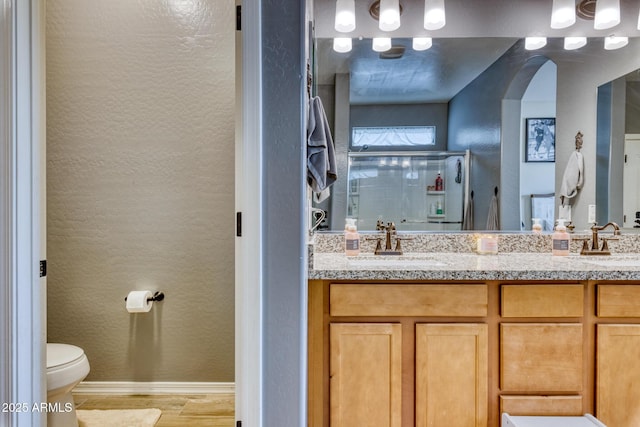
618 151
486 95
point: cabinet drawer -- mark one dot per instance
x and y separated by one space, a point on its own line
541 405
541 357
408 300
619 300
542 301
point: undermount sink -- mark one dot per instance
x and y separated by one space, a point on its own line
613 262
405 261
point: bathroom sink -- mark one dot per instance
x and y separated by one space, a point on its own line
395 261
613 262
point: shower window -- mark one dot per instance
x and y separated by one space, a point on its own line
408 137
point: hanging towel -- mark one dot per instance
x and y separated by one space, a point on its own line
573 177
467 221
493 221
321 158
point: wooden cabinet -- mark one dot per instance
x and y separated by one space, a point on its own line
398 355
618 301
413 354
618 355
434 300
451 375
366 374
537 300
541 357
618 375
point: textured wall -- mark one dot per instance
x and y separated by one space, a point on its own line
140 112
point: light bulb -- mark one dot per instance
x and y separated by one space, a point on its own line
345 16
381 44
613 42
422 43
533 43
607 14
563 14
572 43
389 15
342 44
434 16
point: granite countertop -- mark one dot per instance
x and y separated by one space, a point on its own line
471 266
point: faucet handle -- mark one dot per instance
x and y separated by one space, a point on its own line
585 243
605 246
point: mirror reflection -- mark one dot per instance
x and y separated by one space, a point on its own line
457 88
485 95
618 151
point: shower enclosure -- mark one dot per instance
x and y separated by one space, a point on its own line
401 187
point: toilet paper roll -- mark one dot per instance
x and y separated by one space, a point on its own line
139 301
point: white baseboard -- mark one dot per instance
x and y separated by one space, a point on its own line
131 388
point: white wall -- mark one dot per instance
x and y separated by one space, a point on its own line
538 101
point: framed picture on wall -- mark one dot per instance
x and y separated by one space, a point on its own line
540 140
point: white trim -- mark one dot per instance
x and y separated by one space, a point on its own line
28 319
249 247
130 388
6 218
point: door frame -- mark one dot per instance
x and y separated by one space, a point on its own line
249 203
22 143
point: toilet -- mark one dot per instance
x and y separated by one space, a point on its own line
67 365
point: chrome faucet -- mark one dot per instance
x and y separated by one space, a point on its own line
390 234
595 248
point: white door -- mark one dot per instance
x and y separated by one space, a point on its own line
631 180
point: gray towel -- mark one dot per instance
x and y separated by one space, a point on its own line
573 177
321 158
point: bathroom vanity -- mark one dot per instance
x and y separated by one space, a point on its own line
455 338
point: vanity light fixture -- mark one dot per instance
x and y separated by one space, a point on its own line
345 16
342 44
434 16
615 42
422 43
381 44
638 20
607 14
389 15
563 14
533 43
572 43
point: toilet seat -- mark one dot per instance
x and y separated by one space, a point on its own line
66 364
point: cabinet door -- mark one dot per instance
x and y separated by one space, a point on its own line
541 357
365 374
451 375
618 375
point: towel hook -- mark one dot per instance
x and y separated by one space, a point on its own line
579 141
495 191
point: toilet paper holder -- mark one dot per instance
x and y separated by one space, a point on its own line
157 296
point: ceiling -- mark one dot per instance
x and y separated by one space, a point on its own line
476 34
432 76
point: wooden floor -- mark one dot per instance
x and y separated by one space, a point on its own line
211 410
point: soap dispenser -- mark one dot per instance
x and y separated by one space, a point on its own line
537 226
351 238
561 240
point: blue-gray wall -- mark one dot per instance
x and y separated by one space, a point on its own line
284 257
475 123
404 115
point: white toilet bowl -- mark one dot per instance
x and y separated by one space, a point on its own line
67 365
